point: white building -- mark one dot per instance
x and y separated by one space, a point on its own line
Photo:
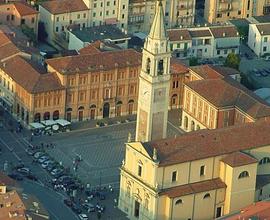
80 38
204 42
59 15
259 38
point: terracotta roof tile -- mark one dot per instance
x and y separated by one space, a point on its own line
200 33
64 6
207 72
193 188
179 35
12 204
95 62
259 210
209 143
26 75
24 9
178 67
237 159
227 92
225 31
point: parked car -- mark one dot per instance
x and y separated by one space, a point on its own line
57 172
16 176
83 217
30 152
76 208
51 166
43 159
68 202
31 177
38 154
24 170
18 166
89 207
46 163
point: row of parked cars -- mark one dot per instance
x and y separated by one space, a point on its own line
20 172
261 72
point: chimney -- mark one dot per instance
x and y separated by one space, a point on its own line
224 34
4 65
261 32
126 32
28 44
181 37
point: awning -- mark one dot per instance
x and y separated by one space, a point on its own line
62 122
49 122
36 125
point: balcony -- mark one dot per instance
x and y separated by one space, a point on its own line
136 19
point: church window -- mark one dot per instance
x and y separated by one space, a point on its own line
264 160
160 67
207 195
202 171
243 174
148 63
139 170
178 202
174 176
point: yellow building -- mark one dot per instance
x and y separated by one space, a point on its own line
197 176
220 11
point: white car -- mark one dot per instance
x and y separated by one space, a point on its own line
24 170
83 216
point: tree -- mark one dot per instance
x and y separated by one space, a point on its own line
42 34
29 32
193 61
233 61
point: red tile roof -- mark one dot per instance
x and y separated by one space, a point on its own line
64 6
238 159
192 188
259 210
24 9
206 72
23 73
95 62
209 143
178 67
224 31
229 93
179 35
200 33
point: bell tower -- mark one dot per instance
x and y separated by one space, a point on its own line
154 82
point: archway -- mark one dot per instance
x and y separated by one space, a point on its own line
37 117
69 114
186 122
92 111
56 115
192 126
106 110
130 107
46 116
174 101
80 109
118 108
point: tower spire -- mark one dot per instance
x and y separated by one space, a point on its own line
157 30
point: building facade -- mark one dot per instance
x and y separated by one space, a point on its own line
259 39
177 13
19 14
220 11
204 42
232 103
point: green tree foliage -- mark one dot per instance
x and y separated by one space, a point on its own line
193 61
233 61
29 32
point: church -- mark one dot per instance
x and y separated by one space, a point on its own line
199 175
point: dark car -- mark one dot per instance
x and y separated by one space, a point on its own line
101 195
76 208
16 176
31 177
68 202
18 166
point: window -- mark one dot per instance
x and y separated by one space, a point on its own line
33 20
218 52
78 16
243 174
23 21
124 6
84 15
265 39
56 29
202 171
174 176
225 51
178 202
57 19
139 170
207 195
264 49
264 160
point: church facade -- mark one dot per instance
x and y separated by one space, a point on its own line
198 175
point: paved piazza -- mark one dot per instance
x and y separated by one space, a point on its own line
101 149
